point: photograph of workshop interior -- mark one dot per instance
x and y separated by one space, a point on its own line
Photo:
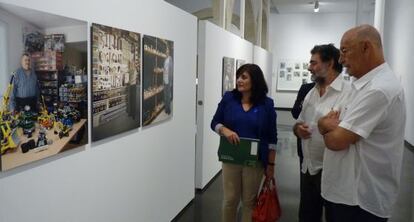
43 85
158 80
116 85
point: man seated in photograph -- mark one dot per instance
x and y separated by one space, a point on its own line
25 87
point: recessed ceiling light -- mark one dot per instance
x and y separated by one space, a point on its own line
316 7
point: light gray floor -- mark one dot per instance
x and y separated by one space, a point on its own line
206 206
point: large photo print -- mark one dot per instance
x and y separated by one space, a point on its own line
158 79
228 75
43 85
116 81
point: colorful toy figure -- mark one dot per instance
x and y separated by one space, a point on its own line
41 139
45 119
26 122
9 138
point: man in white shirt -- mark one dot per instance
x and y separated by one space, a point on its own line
168 79
328 93
365 141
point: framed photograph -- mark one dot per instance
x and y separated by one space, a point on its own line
297 65
239 62
282 65
305 65
296 74
282 74
51 115
116 85
305 74
158 80
289 77
228 75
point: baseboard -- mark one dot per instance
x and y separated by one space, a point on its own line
200 191
182 211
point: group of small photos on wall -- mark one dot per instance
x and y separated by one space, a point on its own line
229 73
50 115
292 74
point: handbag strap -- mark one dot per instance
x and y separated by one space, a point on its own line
262 183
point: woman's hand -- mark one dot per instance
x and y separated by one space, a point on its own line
270 171
270 168
230 135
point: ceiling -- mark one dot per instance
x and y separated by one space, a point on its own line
40 19
325 6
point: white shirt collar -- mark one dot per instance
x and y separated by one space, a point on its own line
337 84
361 82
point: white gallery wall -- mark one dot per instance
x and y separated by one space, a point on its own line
213 44
292 36
399 48
141 175
264 59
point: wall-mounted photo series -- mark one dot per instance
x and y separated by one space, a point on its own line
228 75
43 85
158 79
116 85
239 63
292 74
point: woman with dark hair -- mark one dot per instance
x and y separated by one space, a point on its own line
246 112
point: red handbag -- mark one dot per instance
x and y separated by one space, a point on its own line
267 207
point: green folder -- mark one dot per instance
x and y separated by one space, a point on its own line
245 153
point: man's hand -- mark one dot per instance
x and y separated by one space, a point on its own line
230 135
329 122
302 130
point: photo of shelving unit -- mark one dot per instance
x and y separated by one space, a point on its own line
48 66
115 81
228 75
158 78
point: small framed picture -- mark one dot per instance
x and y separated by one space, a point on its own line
296 74
282 74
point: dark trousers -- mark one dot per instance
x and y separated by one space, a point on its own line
311 201
167 98
299 149
344 213
28 101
